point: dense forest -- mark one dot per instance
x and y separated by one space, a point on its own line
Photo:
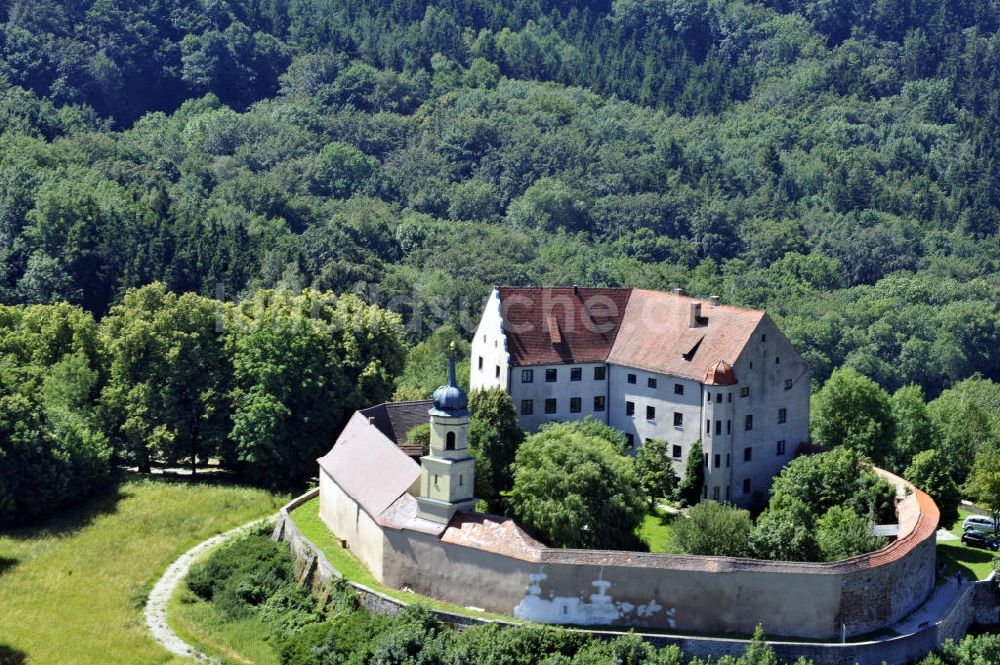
832 162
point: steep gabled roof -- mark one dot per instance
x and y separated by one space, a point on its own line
551 325
657 335
648 330
369 466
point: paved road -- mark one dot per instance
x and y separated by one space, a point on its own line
159 597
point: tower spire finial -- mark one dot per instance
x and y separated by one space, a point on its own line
451 365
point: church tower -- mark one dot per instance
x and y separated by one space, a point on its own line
447 473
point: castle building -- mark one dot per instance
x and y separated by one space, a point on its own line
654 365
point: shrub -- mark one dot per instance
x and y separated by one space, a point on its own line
240 563
714 528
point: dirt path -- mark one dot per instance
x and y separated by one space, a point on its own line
159 597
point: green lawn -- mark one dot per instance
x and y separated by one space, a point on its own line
72 590
306 517
655 531
971 561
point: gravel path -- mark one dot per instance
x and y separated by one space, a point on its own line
156 605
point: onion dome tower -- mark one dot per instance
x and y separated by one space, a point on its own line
447 472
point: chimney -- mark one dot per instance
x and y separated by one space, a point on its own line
695 315
679 291
576 290
713 301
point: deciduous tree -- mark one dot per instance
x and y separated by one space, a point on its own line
576 490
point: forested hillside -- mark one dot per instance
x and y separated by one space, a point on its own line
835 163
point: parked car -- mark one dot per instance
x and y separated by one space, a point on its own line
974 538
979 523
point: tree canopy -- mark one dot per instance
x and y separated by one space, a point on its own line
575 489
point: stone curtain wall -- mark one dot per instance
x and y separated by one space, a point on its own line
977 604
694 593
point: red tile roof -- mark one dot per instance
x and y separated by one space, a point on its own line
720 373
656 334
492 533
648 330
551 325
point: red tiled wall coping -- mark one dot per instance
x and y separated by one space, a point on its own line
917 514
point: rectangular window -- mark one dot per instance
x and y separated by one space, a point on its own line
629 408
727 492
777 360
729 397
746 485
718 461
763 337
527 407
781 447
575 404
527 375
599 373
718 398
748 422
705 456
650 382
744 391
678 388
575 373
708 426
551 375
788 384
715 493
650 413
480 362
729 427
598 402
678 419
550 405
630 378
708 397
782 415
629 440
498 371
718 427
747 454
728 458
704 491
676 452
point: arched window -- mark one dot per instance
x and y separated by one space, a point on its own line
449 441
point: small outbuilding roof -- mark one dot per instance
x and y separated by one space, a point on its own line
395 419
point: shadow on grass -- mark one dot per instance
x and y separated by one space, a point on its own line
11 656
965 559
72 519
5 565
105 502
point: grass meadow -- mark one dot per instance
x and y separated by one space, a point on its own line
72 590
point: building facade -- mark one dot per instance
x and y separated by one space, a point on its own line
654 365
